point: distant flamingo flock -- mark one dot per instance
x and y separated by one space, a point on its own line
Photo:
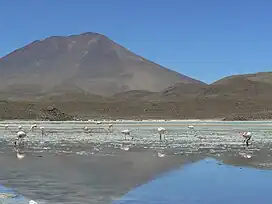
21 134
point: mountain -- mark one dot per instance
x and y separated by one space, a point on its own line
87 63
89 75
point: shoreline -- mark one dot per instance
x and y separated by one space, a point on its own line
146 122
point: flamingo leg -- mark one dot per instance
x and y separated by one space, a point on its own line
15 142
247 141
20 142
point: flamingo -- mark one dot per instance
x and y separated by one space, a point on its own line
247 136
86 130
110 127
20 137
161 131
42 130
6 127
32 127
126 132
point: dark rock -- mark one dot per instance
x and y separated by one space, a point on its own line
53 114
235 118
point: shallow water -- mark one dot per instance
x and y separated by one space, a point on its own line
205 182
67 165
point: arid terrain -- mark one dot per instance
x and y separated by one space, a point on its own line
90 76
86 63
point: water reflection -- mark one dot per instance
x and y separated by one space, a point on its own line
205 182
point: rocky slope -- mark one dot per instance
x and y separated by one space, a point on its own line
87 63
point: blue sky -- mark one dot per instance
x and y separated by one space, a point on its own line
204 39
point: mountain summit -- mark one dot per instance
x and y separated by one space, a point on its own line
88 63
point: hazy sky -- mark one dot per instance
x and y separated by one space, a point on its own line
204 39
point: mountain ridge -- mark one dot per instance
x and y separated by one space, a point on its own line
89 62
246 100
89 75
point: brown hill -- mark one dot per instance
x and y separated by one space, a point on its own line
89 63
237 87
241 97
265 77
250 86
175 92
134 95
180 91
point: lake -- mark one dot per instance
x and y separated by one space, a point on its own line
69 165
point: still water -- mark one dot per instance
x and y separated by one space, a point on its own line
70 165
205 182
